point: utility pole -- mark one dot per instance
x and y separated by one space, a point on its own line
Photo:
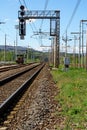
66 59
5 49
5 43
81 41
52 48
28 53
86 49
16 27
66 40
74 51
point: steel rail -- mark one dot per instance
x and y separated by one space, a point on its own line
14 67
8 68
4 107
10 78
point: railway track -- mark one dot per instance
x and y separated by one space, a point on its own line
12 76
12 71
10 67
6 68
12 88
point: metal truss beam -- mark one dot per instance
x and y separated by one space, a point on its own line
54 17
48 14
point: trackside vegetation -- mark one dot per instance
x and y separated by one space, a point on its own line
72 97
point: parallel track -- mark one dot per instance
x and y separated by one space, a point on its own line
10 67
9 78
9 102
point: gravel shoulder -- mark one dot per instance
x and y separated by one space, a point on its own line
38 110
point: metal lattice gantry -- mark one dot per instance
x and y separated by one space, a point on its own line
53 16
40 14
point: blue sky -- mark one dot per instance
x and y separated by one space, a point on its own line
9 14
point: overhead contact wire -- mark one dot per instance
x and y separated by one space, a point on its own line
45 7
25 4
20 2
73 14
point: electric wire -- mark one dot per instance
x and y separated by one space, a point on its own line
27 9
40 28
33 27
33 24
25 4
33 31
45 7
73 14
20 2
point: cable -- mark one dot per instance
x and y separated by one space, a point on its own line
34 26
31 27
32 22
20 2
46 4
33 32
45 7
72 16
25 4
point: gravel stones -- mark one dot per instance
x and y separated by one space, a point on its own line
36 113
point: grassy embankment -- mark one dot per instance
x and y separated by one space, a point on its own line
72 97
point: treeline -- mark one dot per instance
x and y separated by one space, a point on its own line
29 55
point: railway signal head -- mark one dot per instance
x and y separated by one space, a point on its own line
22 12
22 23
22 7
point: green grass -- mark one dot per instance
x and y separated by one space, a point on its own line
72 97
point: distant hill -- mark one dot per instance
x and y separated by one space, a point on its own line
19 48
8 48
